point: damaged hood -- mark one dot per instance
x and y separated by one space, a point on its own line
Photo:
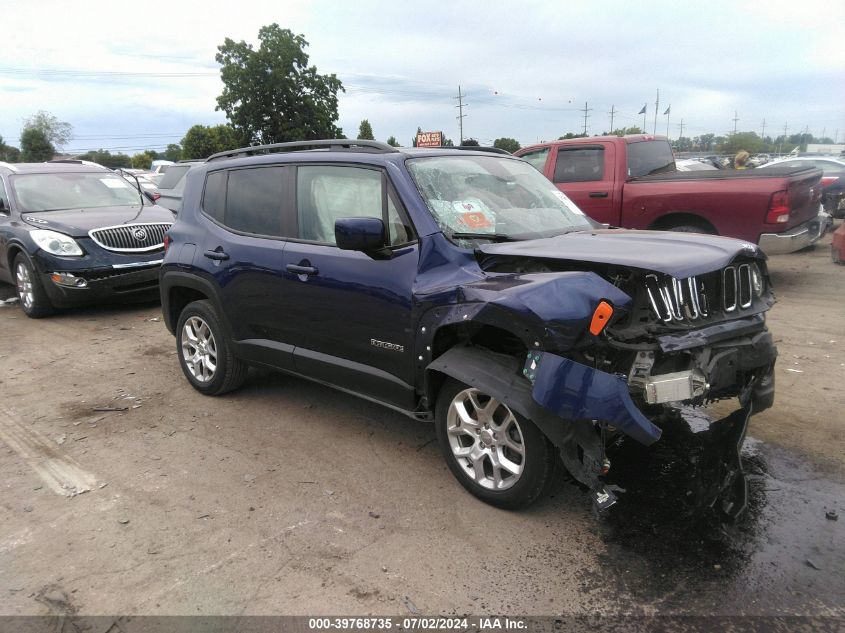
680 255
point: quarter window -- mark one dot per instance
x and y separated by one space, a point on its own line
214 198
579 165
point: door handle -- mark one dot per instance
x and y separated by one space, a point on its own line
598 194
217 255
301 270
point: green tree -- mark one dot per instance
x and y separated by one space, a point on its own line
143 160
35 146
58 133
272 95
173 152
570 135
8 153
748 141
470 142
507 144
107 159
414 140
391 140
622 131
201 141
365 131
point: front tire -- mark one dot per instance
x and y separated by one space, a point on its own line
34 300
496 454
205 353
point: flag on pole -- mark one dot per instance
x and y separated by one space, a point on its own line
667 110
643 110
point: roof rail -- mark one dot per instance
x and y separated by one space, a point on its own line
8 165
478 148
337 144
77 161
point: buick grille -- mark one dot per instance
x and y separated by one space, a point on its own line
131 238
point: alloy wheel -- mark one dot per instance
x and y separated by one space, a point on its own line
23 281
485 439
199 350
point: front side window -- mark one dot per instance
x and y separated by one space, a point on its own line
478 197
325 194
74 190
579 164
537 158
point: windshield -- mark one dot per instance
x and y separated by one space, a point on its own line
75 190
487 197
649 157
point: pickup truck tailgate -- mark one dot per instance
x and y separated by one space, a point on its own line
805 191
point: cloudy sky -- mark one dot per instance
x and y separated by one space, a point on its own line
137 75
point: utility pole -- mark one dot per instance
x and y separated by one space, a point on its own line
783 138
763 131
656 108
586 112
681 127
461 114
735 119
668 110
612 112
824 129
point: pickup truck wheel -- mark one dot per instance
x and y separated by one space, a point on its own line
204 352
34 300
496 454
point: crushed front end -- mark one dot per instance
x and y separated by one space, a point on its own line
681 344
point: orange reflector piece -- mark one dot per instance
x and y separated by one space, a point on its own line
601 317
55 277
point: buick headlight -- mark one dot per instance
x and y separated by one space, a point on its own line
756 280
56 243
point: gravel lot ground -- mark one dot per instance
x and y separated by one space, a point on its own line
289 498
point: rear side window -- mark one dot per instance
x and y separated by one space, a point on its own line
580 164
173 175
649 157
246 200
537 158
254 201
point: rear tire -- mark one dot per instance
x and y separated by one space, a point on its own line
496 454
34 300
205 353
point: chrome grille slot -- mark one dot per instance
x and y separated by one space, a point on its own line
729 289
744 284
131 238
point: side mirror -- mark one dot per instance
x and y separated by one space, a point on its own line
359 234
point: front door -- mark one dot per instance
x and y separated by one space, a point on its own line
348 313
585 174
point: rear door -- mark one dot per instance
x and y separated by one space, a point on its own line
585 174
347 313
243 251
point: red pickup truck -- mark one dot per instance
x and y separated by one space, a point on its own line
632 182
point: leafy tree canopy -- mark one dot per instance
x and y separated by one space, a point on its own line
35 146
173 152
470 142
365 131
272 95
201 141
58 133
8 153
107 159
391 140
143 160
507 144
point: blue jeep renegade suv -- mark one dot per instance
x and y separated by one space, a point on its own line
462 287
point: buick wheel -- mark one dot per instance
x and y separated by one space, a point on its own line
33 297
205 353
497 455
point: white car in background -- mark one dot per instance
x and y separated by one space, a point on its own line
691 164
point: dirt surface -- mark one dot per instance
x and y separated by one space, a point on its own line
289 498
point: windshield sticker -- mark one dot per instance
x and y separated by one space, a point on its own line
113 183
569 204
475 221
